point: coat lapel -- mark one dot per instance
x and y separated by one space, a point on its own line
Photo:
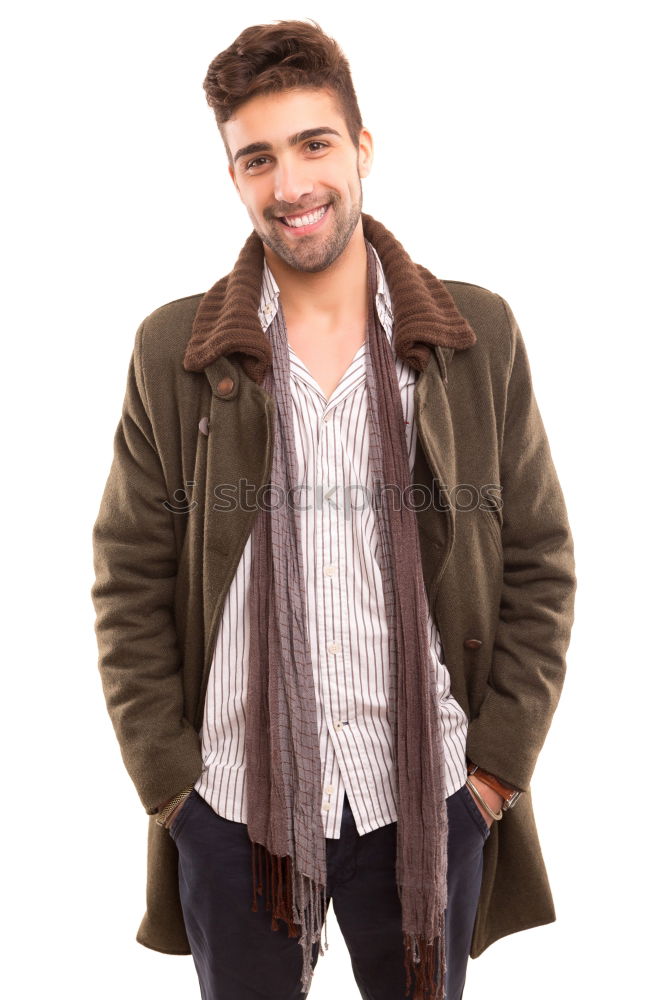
238 450
435 468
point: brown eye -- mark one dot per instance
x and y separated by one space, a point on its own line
252 163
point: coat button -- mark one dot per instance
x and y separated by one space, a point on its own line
203 425
472 643
225 385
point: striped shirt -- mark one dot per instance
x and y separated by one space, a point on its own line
354 690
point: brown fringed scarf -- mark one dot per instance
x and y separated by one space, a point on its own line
282 743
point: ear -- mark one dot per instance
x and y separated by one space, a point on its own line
365 152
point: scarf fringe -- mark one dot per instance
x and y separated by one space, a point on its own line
423 961
277 875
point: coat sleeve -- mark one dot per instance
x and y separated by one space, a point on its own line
135 565
537 600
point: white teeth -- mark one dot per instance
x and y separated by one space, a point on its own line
306 220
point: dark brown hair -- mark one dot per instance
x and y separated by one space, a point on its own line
268 58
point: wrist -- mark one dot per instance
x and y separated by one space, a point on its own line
508 794
490 794
171 806
489 802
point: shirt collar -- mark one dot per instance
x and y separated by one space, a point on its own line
268 302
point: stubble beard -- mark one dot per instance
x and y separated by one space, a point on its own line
314 253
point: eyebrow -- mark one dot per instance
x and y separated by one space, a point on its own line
293 140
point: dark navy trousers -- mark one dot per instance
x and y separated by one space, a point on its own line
238 957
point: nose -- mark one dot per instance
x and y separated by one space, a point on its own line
292 182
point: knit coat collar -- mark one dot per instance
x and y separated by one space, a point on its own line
227 320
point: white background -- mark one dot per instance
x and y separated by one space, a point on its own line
517 146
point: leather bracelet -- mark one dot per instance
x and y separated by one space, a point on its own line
506 791
475 791
164 816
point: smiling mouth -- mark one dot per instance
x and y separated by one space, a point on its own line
307 221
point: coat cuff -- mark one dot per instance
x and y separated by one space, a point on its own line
161 773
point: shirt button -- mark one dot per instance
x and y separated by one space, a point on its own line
329 789
328 416
338 725
330 570
333 647
326 805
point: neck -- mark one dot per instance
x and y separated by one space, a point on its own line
330 298
425 315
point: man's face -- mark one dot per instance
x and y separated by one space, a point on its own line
291 156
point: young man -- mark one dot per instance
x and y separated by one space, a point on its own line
334 577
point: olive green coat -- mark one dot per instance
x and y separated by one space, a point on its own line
195 419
